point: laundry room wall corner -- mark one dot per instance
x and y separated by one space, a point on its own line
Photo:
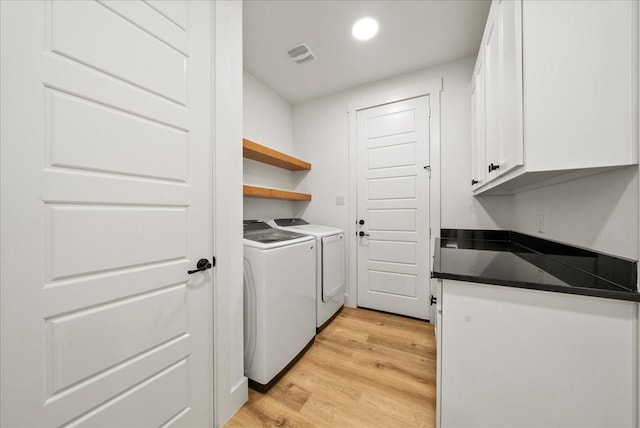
321 133
267 120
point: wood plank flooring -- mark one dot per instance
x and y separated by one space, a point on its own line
365 369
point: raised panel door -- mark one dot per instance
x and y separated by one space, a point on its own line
106 204
393 201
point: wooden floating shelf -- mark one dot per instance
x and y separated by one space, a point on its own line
264 192
260 153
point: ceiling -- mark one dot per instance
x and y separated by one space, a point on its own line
412 35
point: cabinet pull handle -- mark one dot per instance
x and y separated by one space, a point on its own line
474 181
493 167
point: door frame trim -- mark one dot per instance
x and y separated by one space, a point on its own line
230 386
432 88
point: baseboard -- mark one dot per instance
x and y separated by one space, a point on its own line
234 401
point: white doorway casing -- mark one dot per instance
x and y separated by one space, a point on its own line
431 88
230 383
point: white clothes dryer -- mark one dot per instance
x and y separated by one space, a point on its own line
330 265
279 300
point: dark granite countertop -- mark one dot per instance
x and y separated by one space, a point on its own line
516 260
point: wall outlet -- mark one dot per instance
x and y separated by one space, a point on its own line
540 223
339 200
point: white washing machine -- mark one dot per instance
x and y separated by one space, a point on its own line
279 300
330 262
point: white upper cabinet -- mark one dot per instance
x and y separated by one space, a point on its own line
561 91
491 45
511 147
478 120
497 94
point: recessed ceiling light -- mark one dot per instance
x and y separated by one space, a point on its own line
365 28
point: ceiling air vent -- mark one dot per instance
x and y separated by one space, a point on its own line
300 53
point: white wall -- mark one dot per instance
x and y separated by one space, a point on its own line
321 135
598 212
267 117
267 120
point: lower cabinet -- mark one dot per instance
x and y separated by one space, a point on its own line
510 357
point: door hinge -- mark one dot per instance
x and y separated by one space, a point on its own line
429 111
429 232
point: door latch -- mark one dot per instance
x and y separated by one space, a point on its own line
202 265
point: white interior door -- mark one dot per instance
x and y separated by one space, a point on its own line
106 203
393 204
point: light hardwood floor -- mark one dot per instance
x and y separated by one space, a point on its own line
365 369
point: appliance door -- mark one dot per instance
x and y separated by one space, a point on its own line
332 266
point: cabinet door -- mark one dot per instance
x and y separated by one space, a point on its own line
511 147
581 77
491 57
492 83
478 120
503 70
512 357
438 292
